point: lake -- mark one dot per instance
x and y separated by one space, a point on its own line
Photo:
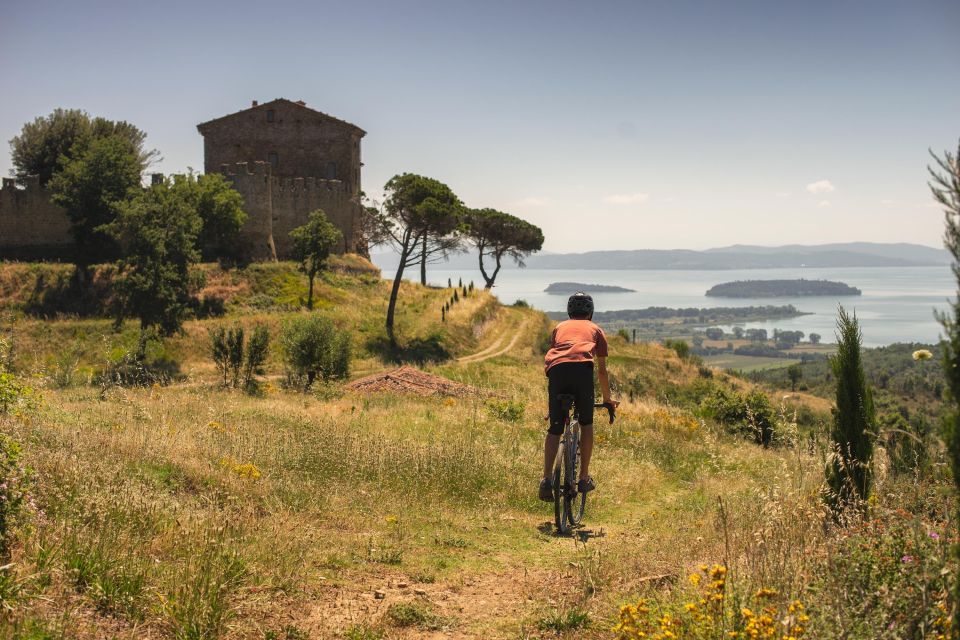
897 304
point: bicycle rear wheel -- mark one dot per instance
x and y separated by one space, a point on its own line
576 501
560 504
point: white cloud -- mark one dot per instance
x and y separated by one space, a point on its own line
821 186
531 201
783 194
886 202
627 198
823 203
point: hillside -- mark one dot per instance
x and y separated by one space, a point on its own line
190 511
853 254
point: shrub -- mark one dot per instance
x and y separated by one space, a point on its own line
235 339
506 410
314 347
238 360
256 355
681 348
750 414
220 352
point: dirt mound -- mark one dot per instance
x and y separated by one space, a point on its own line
411 380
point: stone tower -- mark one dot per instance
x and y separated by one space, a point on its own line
288 160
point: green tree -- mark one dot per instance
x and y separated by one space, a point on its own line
313 347
45 145
945 186
312 244
157 231
738 332
848 472
90 187
416 209
42 145
814 338
714 333
220 208
794 372
497 234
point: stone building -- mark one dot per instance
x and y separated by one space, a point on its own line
283 157
288 160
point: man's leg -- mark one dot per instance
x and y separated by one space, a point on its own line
586 450
550 446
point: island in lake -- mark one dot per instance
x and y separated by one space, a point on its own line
781 288
567 288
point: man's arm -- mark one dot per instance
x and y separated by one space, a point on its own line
603 378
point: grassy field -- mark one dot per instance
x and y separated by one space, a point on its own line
189 511
739 362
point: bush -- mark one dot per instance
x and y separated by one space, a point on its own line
313 347
256 355
506 410
681 348
749 414
239 361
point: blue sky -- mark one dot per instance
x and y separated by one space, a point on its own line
610 124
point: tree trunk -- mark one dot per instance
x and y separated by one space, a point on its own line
423 261
394 292
141 354
483 272
493 277
310 291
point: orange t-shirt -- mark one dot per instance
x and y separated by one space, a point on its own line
575 341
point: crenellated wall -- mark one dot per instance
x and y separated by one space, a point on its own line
254 184
275 206
32 227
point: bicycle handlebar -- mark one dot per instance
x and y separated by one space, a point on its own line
609 407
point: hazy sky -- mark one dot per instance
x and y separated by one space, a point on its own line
610 124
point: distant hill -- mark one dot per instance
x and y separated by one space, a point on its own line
852 254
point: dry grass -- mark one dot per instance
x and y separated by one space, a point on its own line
192 512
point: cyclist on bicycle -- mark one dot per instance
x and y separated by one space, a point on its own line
574 345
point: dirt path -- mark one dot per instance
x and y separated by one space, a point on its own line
471 606
494 349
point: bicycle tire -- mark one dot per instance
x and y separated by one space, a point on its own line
576 501
559 492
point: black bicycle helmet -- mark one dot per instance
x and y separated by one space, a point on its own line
580 305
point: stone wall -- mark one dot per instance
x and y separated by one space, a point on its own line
32 227
276 205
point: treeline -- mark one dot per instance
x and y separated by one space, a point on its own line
776 288
712 314
892 371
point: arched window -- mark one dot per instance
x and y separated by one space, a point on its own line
331 171
273 159
269 115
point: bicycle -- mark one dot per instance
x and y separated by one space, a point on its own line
568 503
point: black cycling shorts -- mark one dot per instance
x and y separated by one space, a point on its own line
576 379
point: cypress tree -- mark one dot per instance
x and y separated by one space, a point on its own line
848 472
